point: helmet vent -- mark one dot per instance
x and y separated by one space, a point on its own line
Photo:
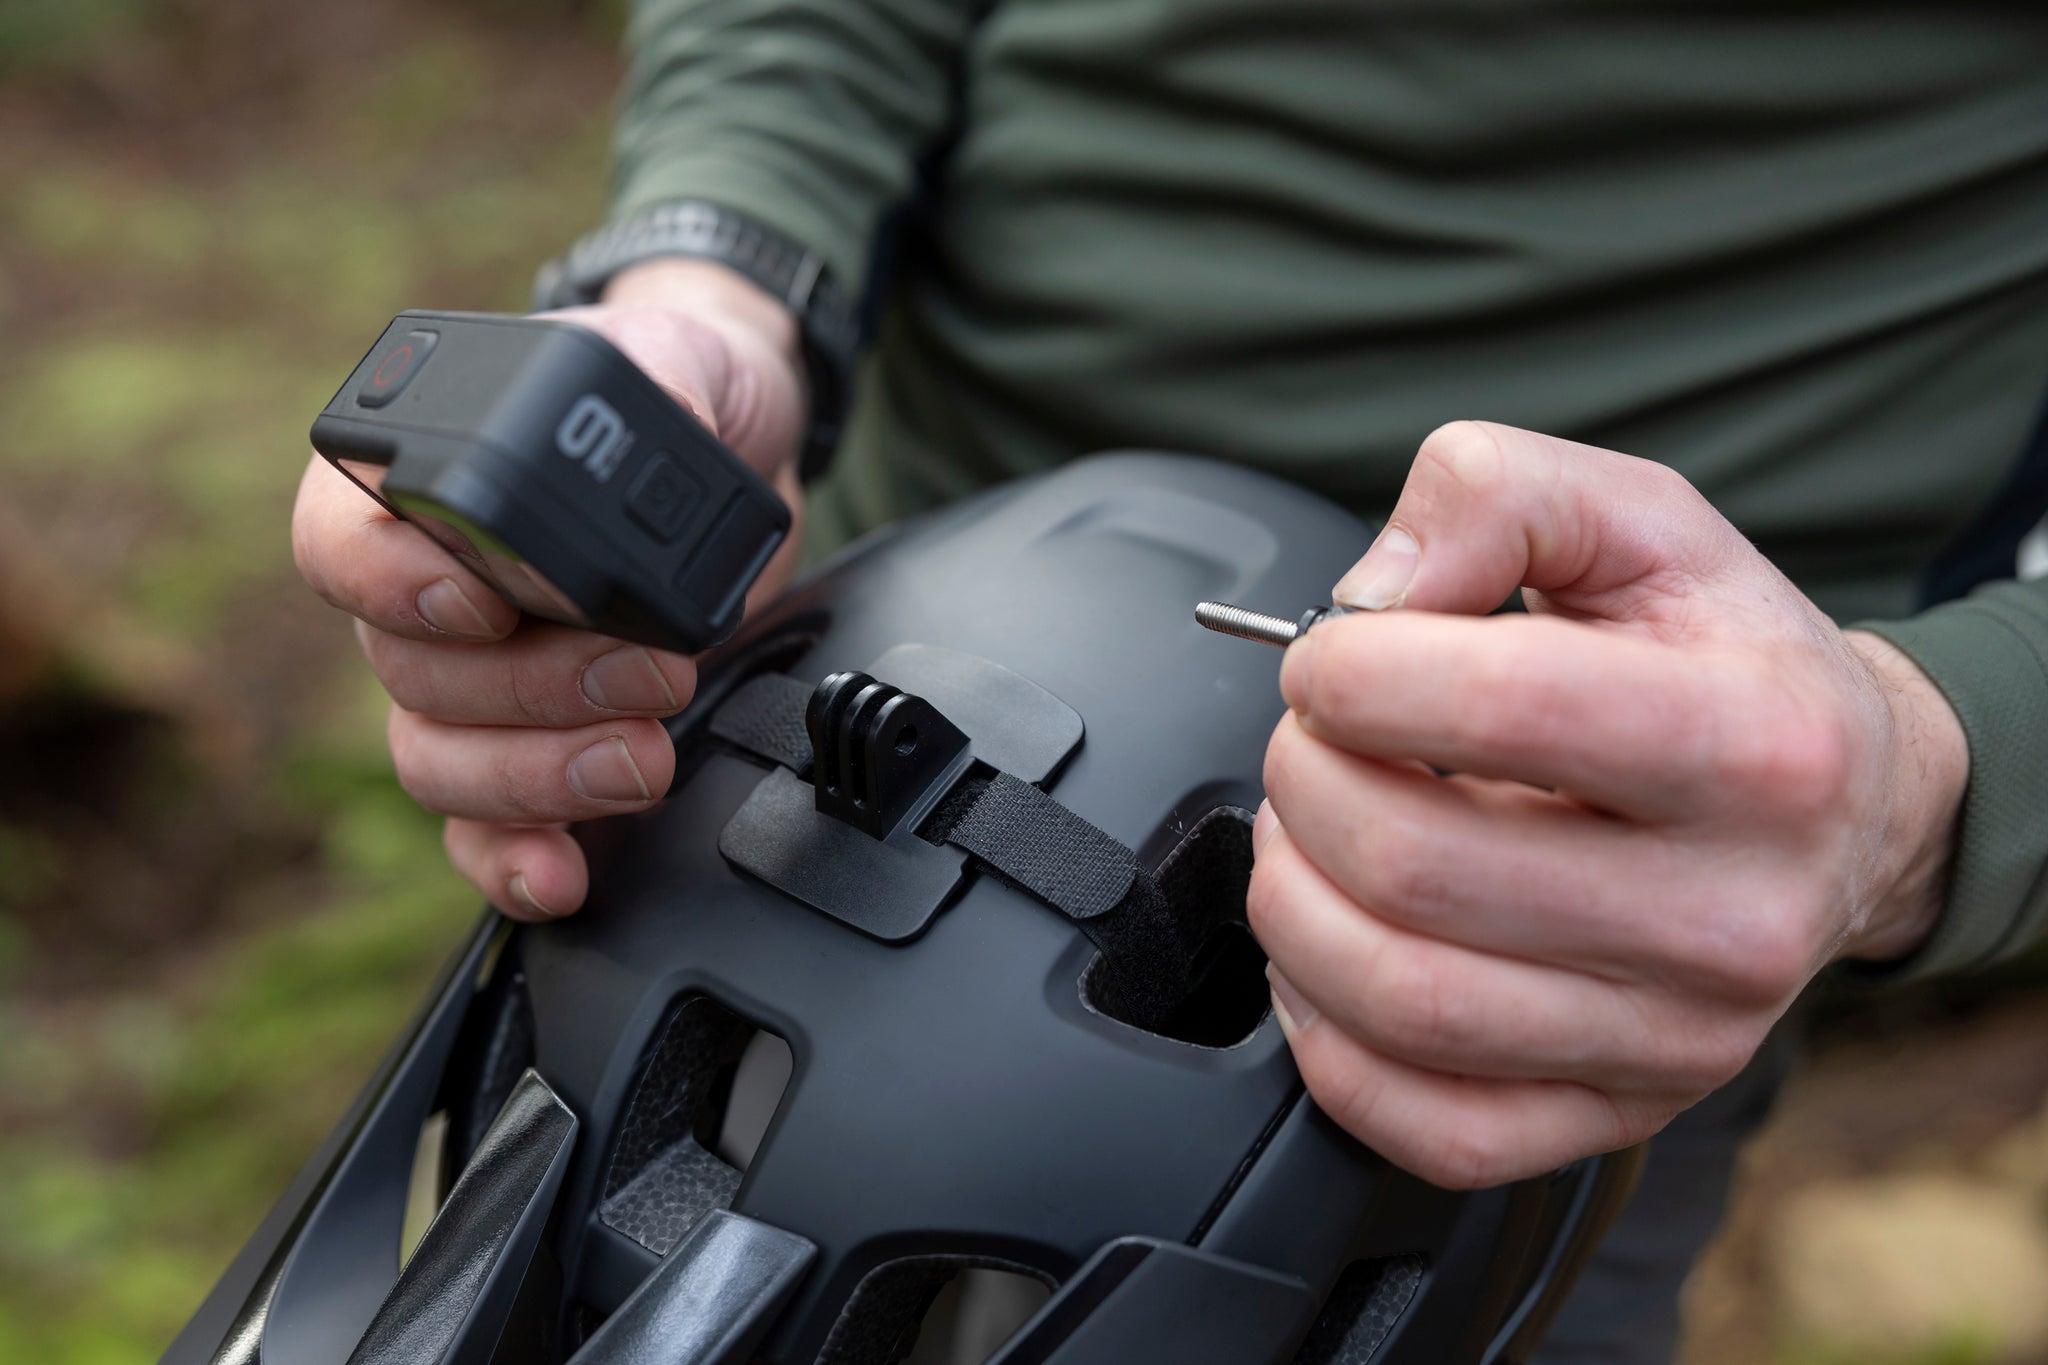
935 1310
1364 1308
700 1106
493 1051
1204 879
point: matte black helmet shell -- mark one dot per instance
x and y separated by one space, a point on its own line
966 1090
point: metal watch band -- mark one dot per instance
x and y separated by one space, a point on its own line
826 315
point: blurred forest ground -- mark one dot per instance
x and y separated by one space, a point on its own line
216 908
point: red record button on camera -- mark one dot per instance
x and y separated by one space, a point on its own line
395 368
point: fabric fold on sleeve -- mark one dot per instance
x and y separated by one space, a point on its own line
810 115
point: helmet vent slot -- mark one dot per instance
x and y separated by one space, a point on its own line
935 1310
1204 879
707 1088
494 1050
1362 1311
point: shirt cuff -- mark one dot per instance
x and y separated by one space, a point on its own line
1988 653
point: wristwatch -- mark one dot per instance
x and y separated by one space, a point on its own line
827 316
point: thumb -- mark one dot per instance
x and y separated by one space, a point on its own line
1488 509
736 378
689 361
733 383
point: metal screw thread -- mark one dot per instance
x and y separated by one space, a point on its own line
1246 625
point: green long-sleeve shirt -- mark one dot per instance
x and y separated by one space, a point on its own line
1798 251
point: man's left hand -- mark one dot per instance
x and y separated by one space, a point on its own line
1677 792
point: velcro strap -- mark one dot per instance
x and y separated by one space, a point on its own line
765 716
1045 849
1029 840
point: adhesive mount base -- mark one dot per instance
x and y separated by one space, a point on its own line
891 888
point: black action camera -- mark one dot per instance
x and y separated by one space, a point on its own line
548 463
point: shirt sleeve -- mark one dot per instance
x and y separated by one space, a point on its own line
1988 653
809 115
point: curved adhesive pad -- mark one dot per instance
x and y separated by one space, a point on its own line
891 888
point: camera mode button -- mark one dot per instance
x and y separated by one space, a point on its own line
663 497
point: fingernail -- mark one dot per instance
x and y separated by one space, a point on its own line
1381 579
1293 1008
446 607
606 772
524 895
627 679
1263 826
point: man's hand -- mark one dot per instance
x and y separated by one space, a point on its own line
513 727
1679 793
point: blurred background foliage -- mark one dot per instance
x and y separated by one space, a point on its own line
216 908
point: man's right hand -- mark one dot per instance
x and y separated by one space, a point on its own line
513 727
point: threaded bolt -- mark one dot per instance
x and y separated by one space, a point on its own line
1246 625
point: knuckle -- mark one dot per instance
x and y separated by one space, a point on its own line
1464 453
1691 733
471 852
1632 1120
1795 758
521 791
1437 1144
1399 869
1278 769
528 690
308 549
412 781
1689 1052
1780 960
1811 768
1466 1156
1506 714
1714 1057
1265 903
1413 1009
386 655
306 556
1664 481
1670 502
1342 1089
688 358
409 759
404 691
311 558
1756 956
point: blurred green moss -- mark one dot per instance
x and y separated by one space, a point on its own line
85 214
155 433
37 34
28 864
102 1255
92 404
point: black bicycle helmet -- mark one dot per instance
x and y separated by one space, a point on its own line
960 835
